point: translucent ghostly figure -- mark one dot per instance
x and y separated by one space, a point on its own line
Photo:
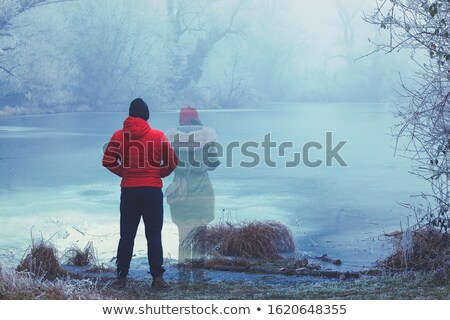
191 194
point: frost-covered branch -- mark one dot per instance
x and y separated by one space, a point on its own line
9 9
423 28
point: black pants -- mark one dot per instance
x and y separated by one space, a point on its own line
134 203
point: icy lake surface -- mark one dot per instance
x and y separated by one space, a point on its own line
52 182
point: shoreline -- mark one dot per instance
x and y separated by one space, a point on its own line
225 285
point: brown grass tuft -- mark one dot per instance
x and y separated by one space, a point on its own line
259 239
42 261
423 249
81 257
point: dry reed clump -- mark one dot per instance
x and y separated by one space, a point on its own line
24 285
78 257
259 239
42 261
75 256
424 249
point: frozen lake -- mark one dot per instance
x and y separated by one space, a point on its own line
52 182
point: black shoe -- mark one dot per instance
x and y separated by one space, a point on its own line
159 283
120 283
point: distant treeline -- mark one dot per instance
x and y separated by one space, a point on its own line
97 55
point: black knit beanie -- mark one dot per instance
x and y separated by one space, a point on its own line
139 109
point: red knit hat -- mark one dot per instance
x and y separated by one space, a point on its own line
189 116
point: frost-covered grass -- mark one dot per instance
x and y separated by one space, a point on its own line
40 275
42 261
408 286
23 285
78 257
422 250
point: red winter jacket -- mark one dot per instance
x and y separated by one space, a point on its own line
139 154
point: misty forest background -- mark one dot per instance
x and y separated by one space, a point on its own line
89 55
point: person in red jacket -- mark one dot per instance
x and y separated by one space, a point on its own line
141 156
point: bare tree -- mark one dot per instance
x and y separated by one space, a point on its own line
422 26
8 11
231 95
187 20
113 48
347 14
